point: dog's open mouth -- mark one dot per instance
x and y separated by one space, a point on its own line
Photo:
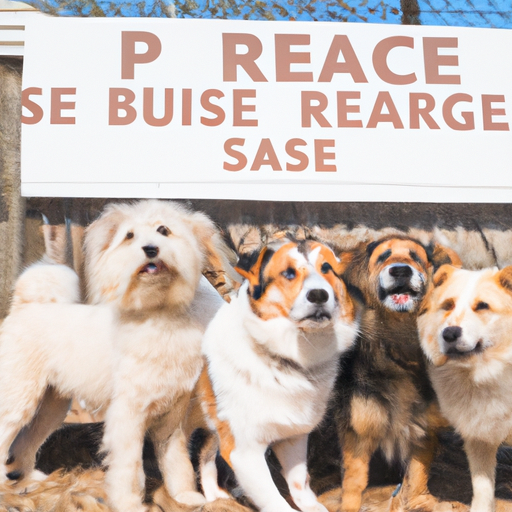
153 268
399 295
400 298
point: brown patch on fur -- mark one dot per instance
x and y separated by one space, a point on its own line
368 417
414 493
444 255
356 464
226 439
442 275
505 278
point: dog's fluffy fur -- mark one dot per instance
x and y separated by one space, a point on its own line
383 396
136 351
272 360
465 330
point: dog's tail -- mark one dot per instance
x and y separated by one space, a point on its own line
46 282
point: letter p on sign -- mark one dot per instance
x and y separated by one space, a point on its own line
129 57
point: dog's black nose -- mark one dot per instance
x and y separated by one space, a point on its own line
451 334
400 271
317 296
150 250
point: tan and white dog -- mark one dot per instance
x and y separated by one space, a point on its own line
136 351
465 329
272 358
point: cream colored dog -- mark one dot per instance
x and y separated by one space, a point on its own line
466 331
136 351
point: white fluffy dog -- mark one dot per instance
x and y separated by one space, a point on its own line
272 359
136 351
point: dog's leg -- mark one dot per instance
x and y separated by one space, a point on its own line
292 454
17 408
124 437
208 469
49 416
356 465
414 493
482 464
173 458
254 476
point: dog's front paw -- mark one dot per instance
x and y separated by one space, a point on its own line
216 493
192 498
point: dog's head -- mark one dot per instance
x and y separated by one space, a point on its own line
467 315
394 272
146 255
299 281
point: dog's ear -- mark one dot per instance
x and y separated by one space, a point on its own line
505 278
371 247
210 241
99 234
440 255
345 258
444 272
251 267
218 257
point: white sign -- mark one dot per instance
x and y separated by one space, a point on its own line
180 108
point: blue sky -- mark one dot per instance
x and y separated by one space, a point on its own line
465 13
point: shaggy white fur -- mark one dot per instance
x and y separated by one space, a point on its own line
136 351
272 360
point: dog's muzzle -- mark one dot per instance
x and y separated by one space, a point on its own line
399 283
456 347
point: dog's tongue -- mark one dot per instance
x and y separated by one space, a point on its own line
400 298
150 268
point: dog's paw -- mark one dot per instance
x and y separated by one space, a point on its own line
192 498
37 475
216 493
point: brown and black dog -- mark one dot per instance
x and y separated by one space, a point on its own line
383 396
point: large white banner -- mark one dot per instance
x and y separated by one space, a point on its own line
266 110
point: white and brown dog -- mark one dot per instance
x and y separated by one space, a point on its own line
136 351
272 358
466 332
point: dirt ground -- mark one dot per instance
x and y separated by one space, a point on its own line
74 492
76 480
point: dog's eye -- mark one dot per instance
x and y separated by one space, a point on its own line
289 273
325 268
129 235
448 305
384 256
164 230
415 257
481 306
